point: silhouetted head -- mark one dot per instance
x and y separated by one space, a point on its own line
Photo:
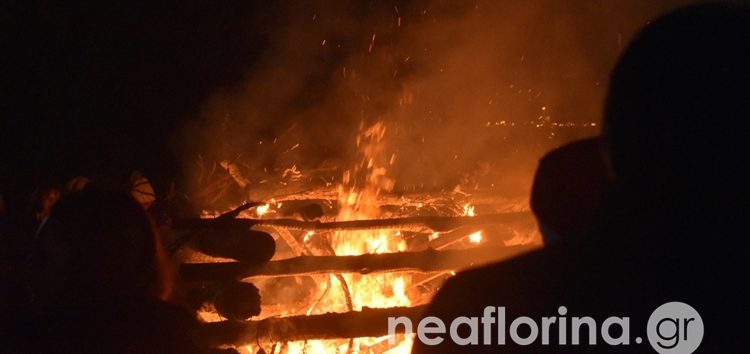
567 190
97 243
677 104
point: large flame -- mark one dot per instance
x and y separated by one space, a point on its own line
359 195
358 199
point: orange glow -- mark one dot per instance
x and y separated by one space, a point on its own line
262 210
361 202
476 237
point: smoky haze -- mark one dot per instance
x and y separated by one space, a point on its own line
471 92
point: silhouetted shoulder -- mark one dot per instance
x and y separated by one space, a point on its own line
534 285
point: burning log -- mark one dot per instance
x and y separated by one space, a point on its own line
442 242
301 250
238 243
366 323
446 240
435 223
228 240
305 209
383 346
233 300
237 300
424 261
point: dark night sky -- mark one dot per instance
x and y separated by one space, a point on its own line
101 87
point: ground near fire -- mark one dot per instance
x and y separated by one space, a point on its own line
378 146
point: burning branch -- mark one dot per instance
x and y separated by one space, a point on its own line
424 261
366 323
301 250
417 223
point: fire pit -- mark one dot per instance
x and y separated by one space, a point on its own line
351 254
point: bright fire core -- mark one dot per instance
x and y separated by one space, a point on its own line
358 199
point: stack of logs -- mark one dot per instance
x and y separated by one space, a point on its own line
230 237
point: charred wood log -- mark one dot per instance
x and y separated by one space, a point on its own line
233 300
306 210
435 223
249 246
289 292
237 300
236 211
237 242
445 240
448 239
424 261
383 346
366 323
302 250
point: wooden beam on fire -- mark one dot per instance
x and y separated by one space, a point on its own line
368 322
423 261
435 223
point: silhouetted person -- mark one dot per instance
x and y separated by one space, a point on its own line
97 278
568 188
673 229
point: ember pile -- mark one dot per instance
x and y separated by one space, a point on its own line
333 262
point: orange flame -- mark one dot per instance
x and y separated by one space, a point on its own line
358 199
